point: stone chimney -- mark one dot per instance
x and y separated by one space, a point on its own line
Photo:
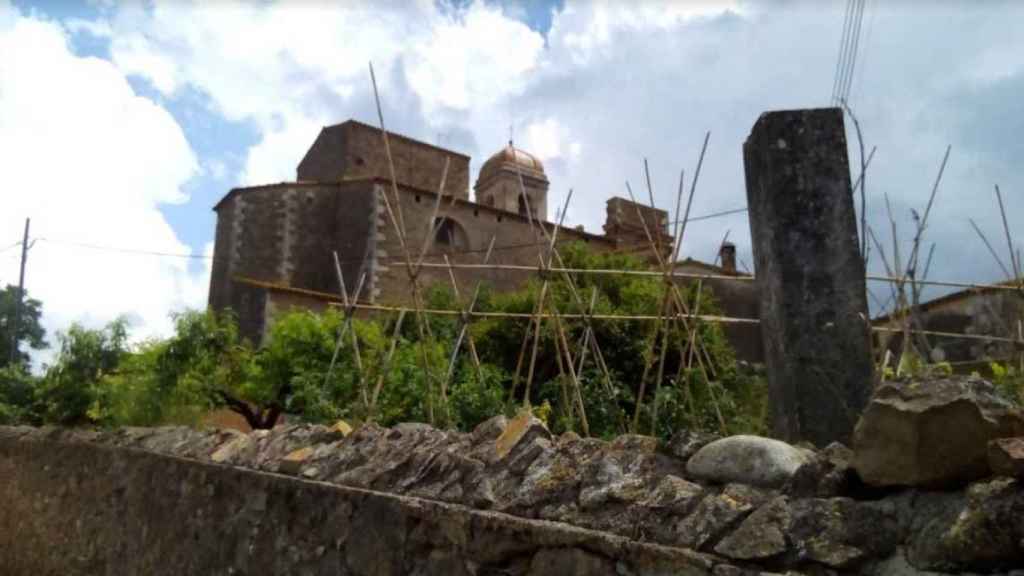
624 224
727 256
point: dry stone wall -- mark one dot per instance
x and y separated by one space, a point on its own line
507 498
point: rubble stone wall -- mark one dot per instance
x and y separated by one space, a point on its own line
507 498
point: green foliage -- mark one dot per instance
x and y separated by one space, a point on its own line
689 396
476 398
70 393
205 364
30 331
1009 381
17 389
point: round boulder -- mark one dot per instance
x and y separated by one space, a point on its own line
749 460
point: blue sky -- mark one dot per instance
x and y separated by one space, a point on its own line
215 139
138 117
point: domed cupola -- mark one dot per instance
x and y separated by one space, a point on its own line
498 182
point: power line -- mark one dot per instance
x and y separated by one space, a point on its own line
191 255
849 45
194 256
714 215
854 51
6 248
864 53
843 43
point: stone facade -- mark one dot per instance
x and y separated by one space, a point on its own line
354 150
274 243
736 299
982 312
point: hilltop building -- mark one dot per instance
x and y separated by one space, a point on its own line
274 243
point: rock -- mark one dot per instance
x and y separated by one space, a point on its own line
1006 457
750 460
716 514
826 474
292 463
983 532
610 484
569 562
569 436
674 494
342 428
635 443
841 532
686 443
519 462
520 430
897 565
229 451
932 433
490 429
761 536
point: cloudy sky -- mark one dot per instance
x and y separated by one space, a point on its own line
122 123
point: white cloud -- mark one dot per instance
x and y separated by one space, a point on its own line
613 83
89 161
549 140
654 91
291 68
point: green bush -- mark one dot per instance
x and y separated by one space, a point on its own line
1009 381
17 389
205 364
70 392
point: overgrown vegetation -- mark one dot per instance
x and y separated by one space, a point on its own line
97 378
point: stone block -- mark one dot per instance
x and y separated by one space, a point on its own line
1006 457
810 275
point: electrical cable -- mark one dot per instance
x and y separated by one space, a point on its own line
842 50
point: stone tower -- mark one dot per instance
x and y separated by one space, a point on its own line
498 182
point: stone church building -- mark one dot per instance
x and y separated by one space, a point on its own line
274 243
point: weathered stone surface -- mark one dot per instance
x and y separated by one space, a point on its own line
827 473
79 508
623 488
569 562
1006 457
747 459
897 565
686 443
983 532
490 429
761 536
810 274
230 450
293 461
931 433
841 532
674 494
521 429
716 514
342 427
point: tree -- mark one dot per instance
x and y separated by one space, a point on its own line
16 389
30 331
71 392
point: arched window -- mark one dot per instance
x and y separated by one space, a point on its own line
450 235
522 206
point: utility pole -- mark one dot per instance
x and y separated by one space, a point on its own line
21 296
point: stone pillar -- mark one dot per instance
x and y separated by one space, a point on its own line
810 275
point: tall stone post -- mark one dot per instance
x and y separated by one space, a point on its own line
810 276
